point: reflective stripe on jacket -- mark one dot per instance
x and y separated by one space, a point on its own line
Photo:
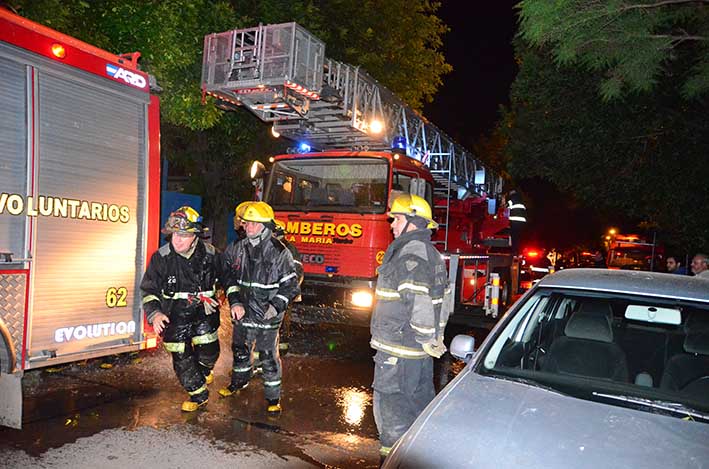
260 276
170 279
518 211
413 298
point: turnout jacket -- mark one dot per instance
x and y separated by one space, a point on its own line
413 297
260 276
173 284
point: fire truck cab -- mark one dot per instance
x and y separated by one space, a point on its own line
333 202
333 206
634 252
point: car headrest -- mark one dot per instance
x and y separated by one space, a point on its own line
697 338
592 321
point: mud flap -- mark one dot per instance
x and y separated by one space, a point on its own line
11 400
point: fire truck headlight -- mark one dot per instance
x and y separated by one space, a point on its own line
362 298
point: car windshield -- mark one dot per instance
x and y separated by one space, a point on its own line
642 352
349 185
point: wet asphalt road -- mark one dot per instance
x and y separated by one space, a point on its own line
84 416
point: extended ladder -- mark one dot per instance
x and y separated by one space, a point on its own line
280 73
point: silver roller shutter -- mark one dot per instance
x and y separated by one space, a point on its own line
13 154
13 180
91 148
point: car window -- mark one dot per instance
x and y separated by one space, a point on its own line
601 346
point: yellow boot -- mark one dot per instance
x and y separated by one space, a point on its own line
273 405
196 401
232 388
209 379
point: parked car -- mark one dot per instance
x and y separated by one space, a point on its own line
590 368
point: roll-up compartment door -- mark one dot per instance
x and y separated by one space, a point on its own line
13 186
88 256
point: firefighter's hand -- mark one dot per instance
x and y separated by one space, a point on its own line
210 305
237 312
160 322
435 349
270 313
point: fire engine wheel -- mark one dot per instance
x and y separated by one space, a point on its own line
7 358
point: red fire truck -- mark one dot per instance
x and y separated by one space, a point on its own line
634 252
79 195
369 147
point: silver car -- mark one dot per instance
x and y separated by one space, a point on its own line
592 368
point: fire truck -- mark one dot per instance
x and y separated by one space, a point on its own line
79 195
634 252
357 146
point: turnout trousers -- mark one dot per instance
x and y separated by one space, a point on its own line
193 342
266 339
403 387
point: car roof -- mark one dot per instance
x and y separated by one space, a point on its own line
632 282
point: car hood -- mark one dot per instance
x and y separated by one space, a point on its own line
486 422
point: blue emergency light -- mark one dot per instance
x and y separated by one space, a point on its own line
304 148
399 143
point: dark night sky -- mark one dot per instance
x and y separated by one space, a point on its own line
466 106
479 48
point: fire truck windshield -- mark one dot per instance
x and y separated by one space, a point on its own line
350 185
630 259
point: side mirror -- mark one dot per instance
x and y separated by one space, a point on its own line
463 347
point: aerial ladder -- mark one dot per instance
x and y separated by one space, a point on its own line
281 74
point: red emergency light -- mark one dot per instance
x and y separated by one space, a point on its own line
532 253
58 50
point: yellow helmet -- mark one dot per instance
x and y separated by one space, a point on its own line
413 206
238 213
259 212
184 220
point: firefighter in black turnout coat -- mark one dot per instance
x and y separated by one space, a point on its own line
260 280
179 301
413 304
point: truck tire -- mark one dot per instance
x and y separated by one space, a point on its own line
7 358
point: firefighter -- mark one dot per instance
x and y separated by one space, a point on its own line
517 217
412 309
179 301
261 281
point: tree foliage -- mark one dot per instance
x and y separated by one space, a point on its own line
396 41
643 157
634 43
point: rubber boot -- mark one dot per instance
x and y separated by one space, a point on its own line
195 402
209 379
232 388
273 405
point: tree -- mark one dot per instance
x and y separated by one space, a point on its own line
643 157
397 42
634 43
